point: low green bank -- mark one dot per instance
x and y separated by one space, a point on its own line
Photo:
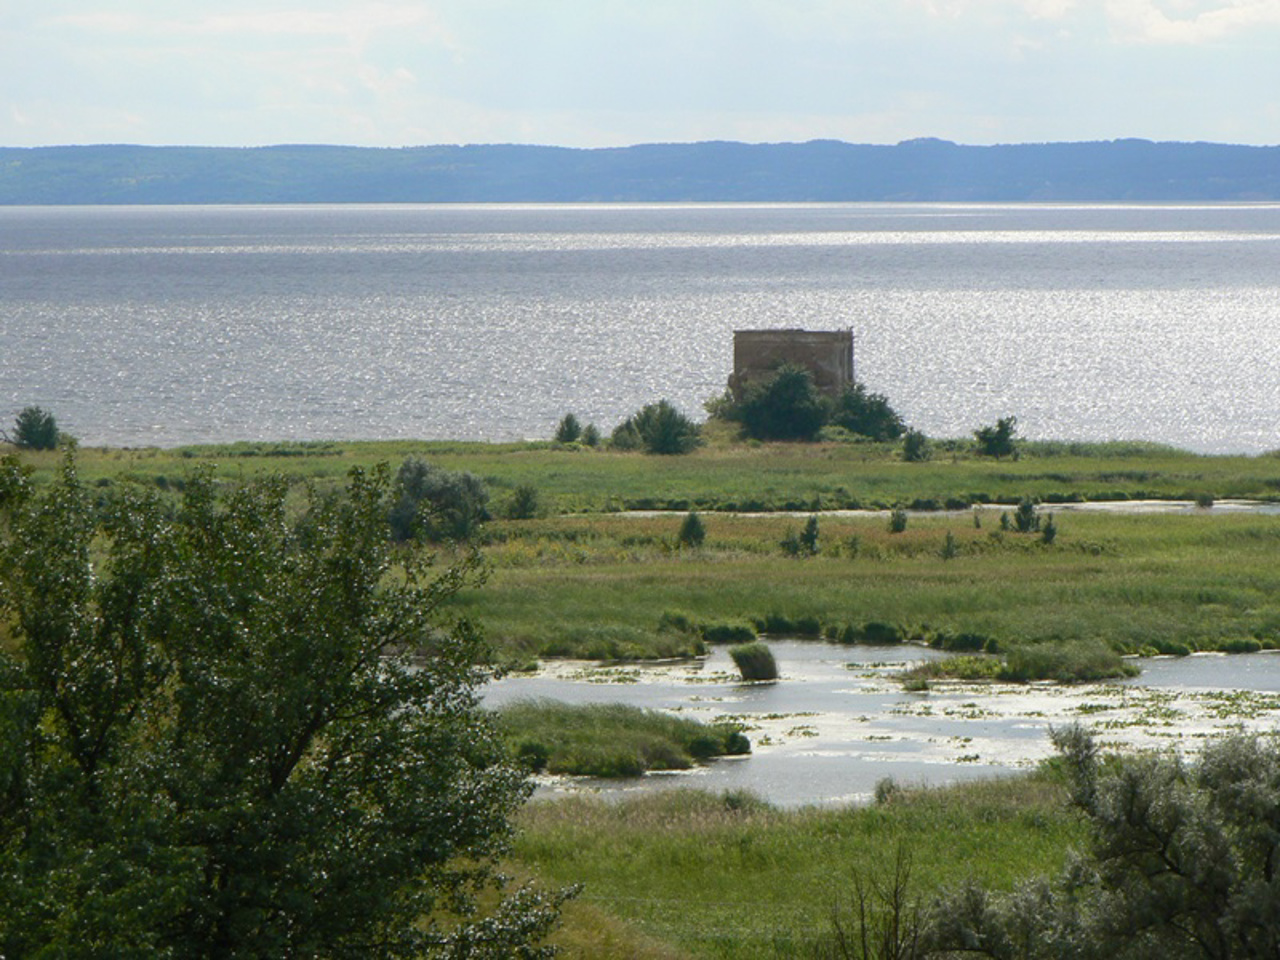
611 739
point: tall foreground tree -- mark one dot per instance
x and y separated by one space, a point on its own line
213 743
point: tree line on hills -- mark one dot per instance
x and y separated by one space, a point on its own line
821 170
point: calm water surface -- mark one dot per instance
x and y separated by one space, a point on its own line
147 325
837 722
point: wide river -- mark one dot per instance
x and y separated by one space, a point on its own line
172 325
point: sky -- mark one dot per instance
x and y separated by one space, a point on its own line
604 73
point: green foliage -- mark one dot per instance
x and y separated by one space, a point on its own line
35 429
727 632
729 876
915 447
1076 662
897 520
1025 518
755 661
728 476
612 739
693 531
866 414
1180 864
213 740
590 435
804 543
949 549
568 430
657 428
435 503
785 406
809 536
997 441
791 544
523 504
1049 531
967 668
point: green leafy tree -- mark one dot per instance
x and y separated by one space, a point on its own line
1026 519
693 532
784 406
591 435
1049 532
915 447
866 414
568 430
437 504
35 429
998 441
523 504
950 549
657 428
897 520
213 742
809 535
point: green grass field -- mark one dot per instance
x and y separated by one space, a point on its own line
732 476
603 586
585 581
686 873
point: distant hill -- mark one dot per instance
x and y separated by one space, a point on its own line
915 170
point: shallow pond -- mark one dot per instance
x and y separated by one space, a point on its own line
837 722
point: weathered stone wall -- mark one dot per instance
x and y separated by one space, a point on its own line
828 355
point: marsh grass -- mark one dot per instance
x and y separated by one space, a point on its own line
611 739
1153 583
755 661
596 585
1080 661
729 876
733 476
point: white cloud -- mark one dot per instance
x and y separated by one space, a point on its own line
1146 21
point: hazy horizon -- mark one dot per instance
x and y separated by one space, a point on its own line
391 73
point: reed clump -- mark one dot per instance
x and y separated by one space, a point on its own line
755 661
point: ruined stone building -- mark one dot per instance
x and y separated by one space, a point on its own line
827 354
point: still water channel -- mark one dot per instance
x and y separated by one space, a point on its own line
838 722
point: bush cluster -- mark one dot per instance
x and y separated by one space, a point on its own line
657 428
569 430
35 429
1180 864
789 406
436 504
